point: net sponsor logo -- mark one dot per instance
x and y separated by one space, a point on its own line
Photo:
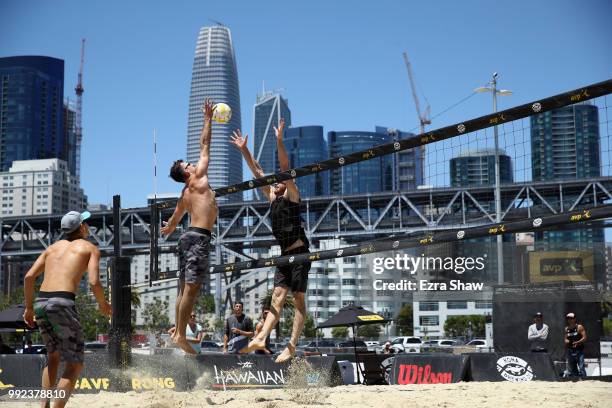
583 94
498 229
426 240
514 369
584 215
536 107
415 374
497 119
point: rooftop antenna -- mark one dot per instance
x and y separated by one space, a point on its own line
216 22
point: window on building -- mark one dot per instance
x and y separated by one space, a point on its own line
429 320
456 304
483 304
428 306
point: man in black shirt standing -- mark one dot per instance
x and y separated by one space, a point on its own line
287 229
575 337
238 329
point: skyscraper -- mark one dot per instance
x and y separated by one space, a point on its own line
215 76
565 143
306 145
267 112
70 136
370 176
477 168
565 146
407 164
31 109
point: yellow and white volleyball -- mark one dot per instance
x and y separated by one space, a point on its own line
222 113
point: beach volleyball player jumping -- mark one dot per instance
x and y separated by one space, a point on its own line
287 229
197 199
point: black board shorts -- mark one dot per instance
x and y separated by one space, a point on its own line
194 248
293 276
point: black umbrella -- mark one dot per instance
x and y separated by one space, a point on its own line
353 316
12 318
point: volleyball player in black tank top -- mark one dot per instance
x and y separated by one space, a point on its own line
287 229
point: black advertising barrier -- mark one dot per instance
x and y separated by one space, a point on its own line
514 367
428 369
498 118
21 371
145 373
219 371
180 373
529 224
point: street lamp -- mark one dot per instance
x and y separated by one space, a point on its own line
500 250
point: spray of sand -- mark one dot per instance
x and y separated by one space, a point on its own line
305 384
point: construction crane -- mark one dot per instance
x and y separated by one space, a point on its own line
423 116
79 112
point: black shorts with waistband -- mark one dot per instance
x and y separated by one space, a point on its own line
294 277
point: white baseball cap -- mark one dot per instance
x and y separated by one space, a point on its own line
73 220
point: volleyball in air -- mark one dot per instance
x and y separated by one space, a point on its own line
222 113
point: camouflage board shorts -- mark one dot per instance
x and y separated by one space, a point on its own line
59 325
194 246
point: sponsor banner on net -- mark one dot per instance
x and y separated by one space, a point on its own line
405 272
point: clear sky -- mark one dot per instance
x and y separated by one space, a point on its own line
339 62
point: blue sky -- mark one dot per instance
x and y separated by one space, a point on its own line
340 63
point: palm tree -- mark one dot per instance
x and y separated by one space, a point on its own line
266 301
135 295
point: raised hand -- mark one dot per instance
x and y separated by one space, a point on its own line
279 131
239 141
208 109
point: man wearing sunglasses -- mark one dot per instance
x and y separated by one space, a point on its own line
287 229
197 199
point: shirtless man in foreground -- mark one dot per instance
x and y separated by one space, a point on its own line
63 264
197 199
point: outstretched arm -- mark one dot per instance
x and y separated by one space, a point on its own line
241 143
179 211
283 160
28 287
202 167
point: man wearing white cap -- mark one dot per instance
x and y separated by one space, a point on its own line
63 265
537 334
575 337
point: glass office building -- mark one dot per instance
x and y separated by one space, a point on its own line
215 76
31 109
306 145
565 145
267 112
477 168
370 176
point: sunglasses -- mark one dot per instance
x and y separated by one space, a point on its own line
192 316
187 164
